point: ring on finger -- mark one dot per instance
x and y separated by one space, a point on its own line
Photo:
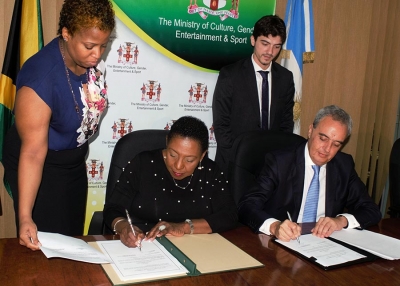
162 227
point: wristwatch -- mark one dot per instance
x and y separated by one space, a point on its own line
191 225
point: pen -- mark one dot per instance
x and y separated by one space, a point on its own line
290 218
130 223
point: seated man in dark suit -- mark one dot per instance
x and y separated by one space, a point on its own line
286 185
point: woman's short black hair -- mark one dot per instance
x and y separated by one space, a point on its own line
77 15
192 128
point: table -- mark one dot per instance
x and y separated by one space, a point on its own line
21 266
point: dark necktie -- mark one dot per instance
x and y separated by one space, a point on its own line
311 205
264 100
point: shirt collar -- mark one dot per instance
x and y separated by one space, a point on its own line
257 67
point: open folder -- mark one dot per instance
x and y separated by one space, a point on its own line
198 253
327 253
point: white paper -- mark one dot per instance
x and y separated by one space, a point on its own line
381 245
151 262
325 251
58 245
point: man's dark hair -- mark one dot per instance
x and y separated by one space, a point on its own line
270 25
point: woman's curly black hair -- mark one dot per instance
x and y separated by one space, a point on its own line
76 15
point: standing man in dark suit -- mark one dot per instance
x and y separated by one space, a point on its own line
288 176
238 104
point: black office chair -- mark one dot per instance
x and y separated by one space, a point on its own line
394 180
250 149
125 149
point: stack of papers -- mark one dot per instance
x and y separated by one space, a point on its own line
378 244
58 245
153 261
332 253
325 252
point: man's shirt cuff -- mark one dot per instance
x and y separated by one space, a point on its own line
265 227
351 221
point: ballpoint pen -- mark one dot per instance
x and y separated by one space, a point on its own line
134 233
290 218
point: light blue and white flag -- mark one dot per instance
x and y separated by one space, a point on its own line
298 48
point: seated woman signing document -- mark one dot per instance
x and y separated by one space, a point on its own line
174 191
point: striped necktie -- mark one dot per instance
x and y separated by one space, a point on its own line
311 205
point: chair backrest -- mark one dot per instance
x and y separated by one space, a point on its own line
394 180
128 147
250 149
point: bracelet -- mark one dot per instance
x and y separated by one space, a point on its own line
115 224
191 225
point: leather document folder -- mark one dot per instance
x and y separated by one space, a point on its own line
198 253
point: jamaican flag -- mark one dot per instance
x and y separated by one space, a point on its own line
25 39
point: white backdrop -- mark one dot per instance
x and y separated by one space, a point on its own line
147 89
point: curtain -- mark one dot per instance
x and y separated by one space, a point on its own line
356 66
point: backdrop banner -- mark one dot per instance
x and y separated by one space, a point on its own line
162 64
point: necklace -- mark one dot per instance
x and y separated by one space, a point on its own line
191 176
69 81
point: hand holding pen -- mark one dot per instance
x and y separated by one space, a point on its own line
290 218
133 230
28 234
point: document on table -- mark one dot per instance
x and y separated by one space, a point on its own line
152 261
58 245
326 252
381 245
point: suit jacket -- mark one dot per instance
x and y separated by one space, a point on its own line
279 189
236 107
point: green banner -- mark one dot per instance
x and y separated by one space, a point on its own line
209 34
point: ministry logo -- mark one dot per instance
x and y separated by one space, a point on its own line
215 8
151 91
121 127
198 93
95 170
128 53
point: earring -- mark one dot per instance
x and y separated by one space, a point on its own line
165 157
65 39
199 167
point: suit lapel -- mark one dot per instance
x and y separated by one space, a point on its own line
331 181
298 179
274 92
250 86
